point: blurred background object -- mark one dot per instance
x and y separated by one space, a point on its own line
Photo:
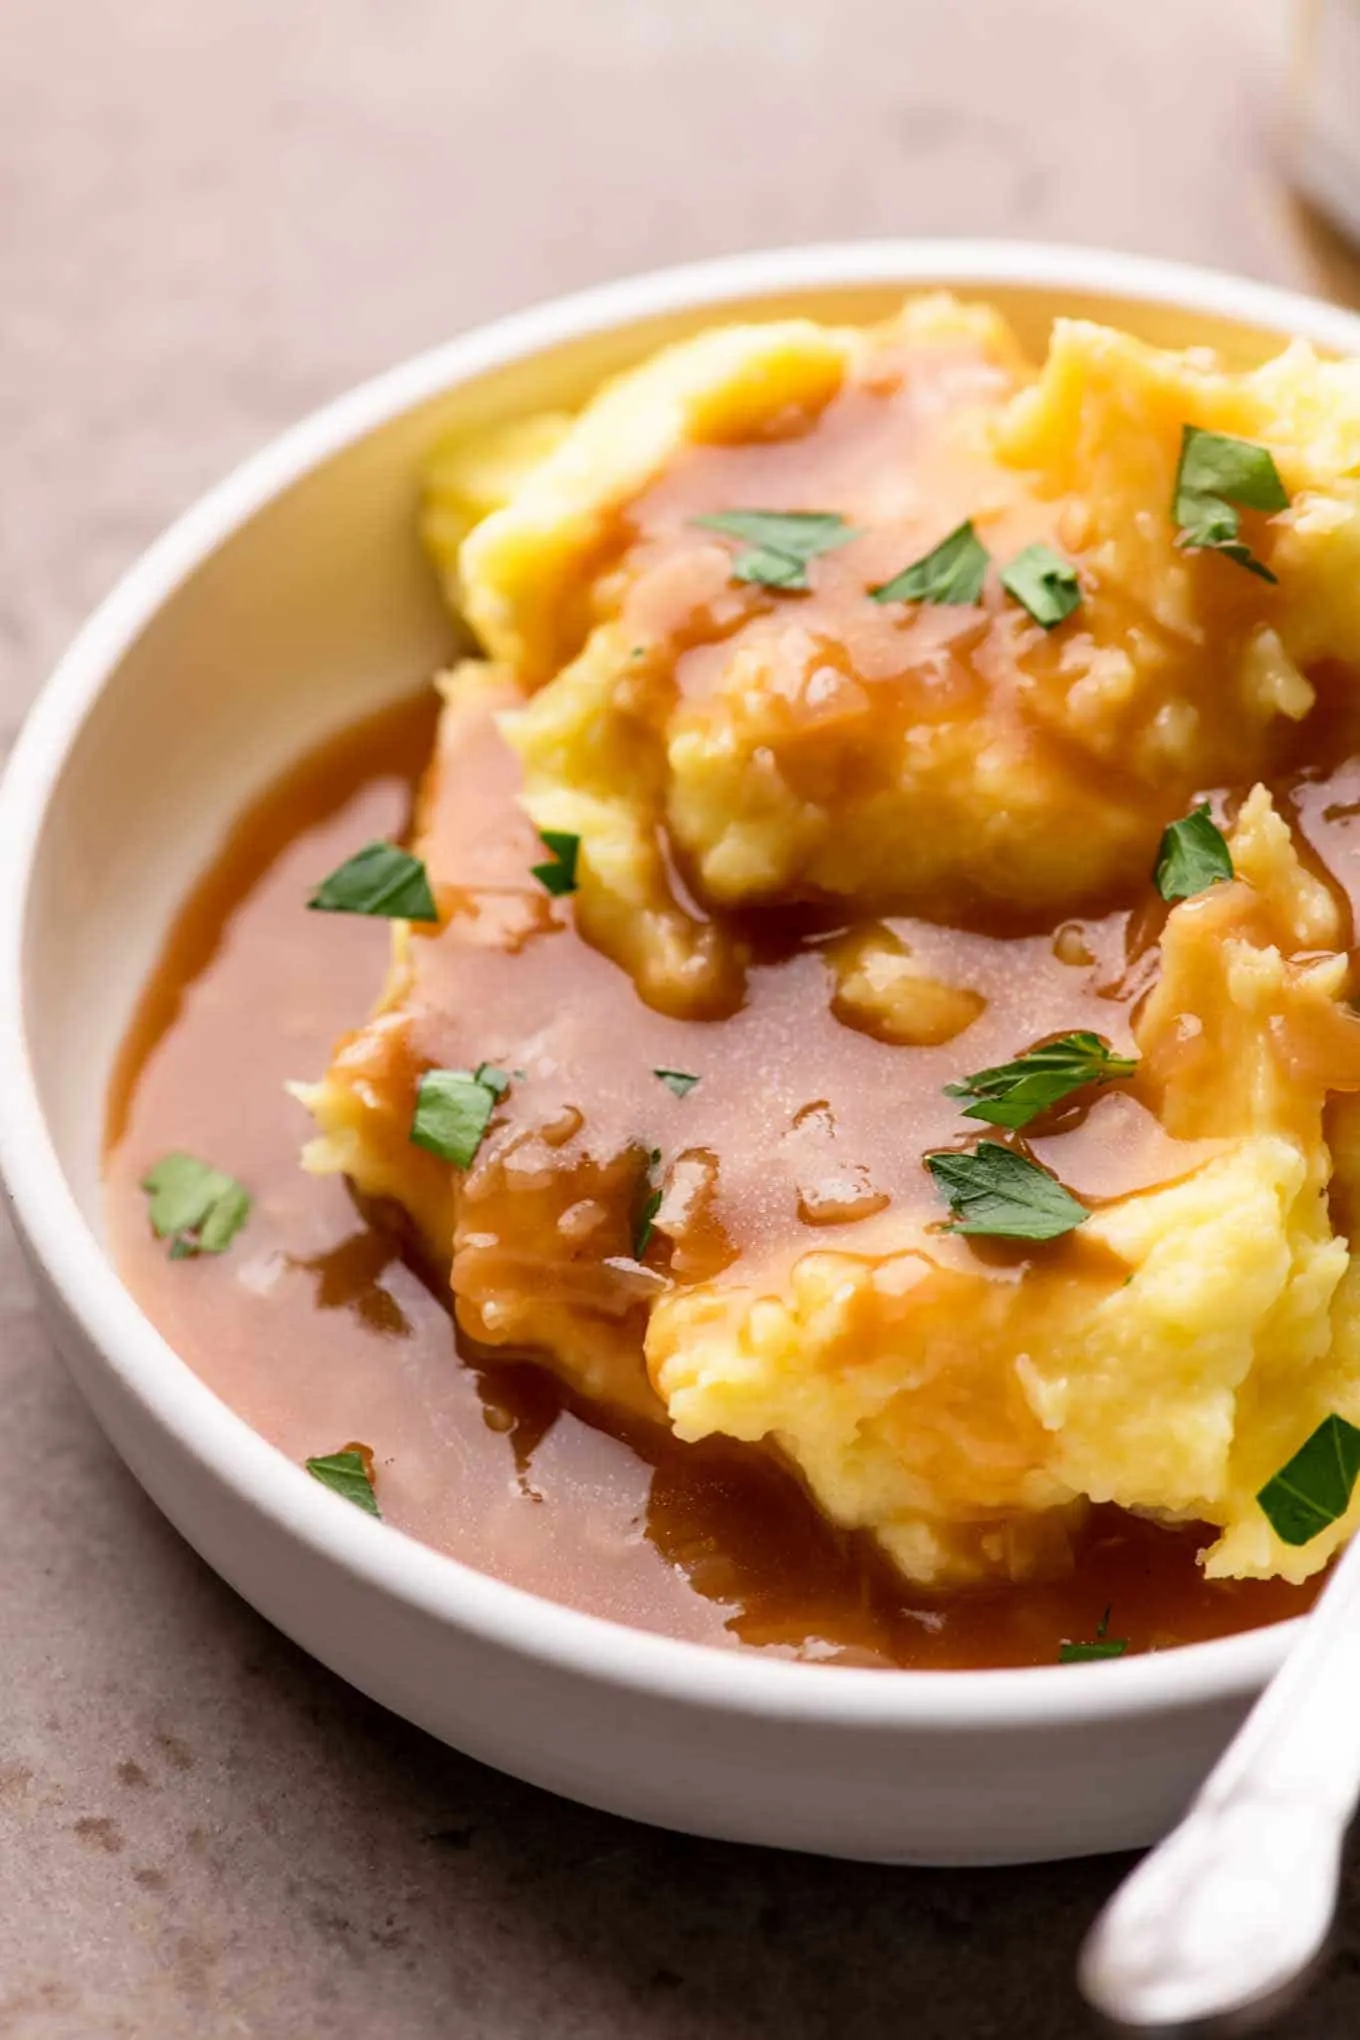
1325 110
213 216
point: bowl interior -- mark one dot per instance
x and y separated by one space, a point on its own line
293 600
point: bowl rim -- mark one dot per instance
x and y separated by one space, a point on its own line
66 1248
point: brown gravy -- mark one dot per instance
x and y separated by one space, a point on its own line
317 1331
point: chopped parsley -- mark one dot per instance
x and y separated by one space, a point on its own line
1044 583
1193 856
1314 1488
779 543
199 1209
380 880
452 1111
678 1081
1013 1093
952 572
1103 1646
1215 477
348 1472
648 1204
559 876
996 1192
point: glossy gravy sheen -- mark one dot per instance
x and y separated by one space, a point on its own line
317 1331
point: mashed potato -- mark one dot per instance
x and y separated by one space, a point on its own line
903 758
947 1414
850 850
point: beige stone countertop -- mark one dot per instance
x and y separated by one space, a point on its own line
214 214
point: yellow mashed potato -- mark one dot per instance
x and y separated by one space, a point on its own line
918 785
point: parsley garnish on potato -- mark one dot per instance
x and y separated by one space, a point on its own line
995 1192
1313 1490
1194 855
1013 1093
1044 583
779 543
559 875
453 1108
1215 477
951 572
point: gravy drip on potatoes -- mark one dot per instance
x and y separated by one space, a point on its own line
317 1330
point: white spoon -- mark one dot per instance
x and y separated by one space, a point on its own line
1216 1928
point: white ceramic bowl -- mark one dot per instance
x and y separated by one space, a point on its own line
287 602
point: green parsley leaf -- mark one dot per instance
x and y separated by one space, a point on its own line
1013 1093
994 1191
1215 473
763 567
779 542
1103 1646
648 1205
1086 1653
497 1081
451 1115
348 1472
1193 856
227 1215
1044 583
1314 1488
558 877
379 880
199 1209
952 572
678 1081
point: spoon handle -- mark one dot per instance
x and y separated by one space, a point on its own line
1213 1928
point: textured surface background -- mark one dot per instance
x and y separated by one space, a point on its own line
213 215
